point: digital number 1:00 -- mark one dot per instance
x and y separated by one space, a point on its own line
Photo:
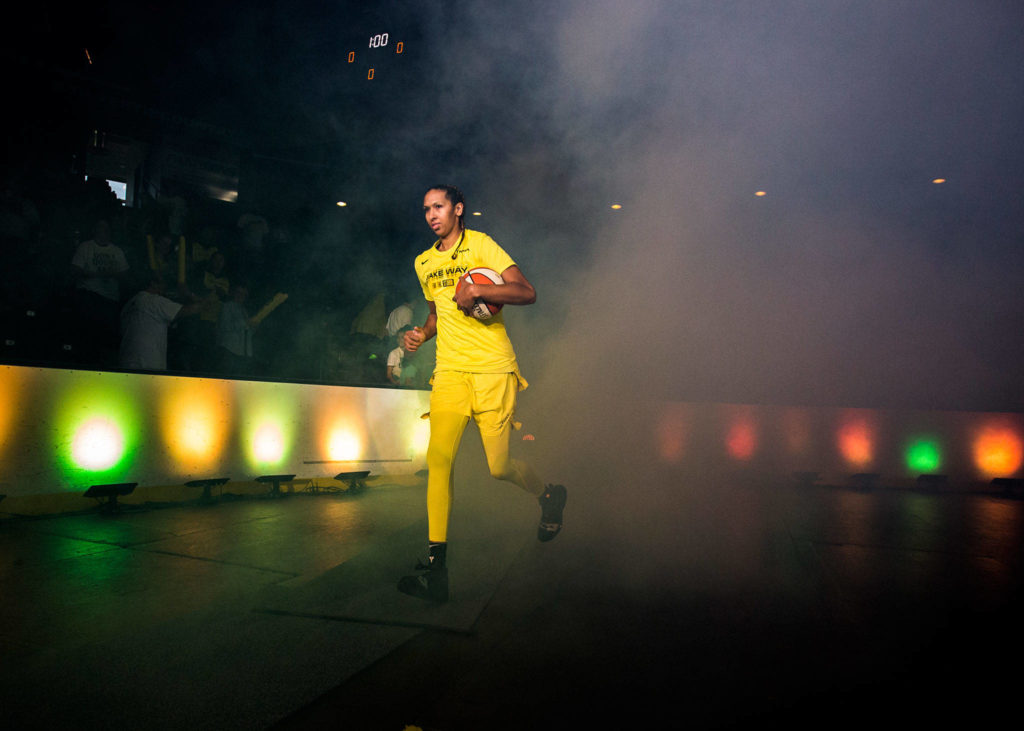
379 41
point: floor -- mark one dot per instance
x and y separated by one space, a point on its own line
752 601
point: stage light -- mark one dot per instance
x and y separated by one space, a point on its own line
11 393
275 482
616 206
341 204
477 213
923 455
741 439
856 440
207 484
998 450
420 436
195 422
268 443
267 424
354 481
101 418
111 493
97 445
939 181
343 445
339 424
761 194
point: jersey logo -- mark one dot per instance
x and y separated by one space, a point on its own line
445 272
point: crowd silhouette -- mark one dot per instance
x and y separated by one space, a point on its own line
178 284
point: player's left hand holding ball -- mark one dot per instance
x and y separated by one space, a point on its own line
465 297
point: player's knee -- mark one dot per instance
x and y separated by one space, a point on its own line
439 461
501 469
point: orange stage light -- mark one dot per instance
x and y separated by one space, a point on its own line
11 393
340 426
195 419
856 440
741 441
998 450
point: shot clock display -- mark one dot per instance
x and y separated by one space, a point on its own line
377 55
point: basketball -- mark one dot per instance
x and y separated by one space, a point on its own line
482 275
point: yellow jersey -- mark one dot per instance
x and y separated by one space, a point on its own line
463 342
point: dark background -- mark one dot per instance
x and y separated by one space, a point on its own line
854 281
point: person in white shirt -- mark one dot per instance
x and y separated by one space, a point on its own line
100 265
145 319
395 358
400 317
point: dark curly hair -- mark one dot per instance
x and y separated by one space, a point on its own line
454 195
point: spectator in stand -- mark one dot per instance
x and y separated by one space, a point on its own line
99 268
174 208
162 256
204 247
234 333
144 322
213 290
400 318
395 357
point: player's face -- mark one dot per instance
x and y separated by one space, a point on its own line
441 215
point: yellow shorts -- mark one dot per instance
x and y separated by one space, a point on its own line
488 398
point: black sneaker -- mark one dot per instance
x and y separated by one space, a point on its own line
431 585
552 502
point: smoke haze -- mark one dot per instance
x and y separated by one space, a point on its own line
854 281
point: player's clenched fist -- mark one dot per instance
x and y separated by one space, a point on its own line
413 339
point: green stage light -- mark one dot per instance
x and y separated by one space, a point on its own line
98 428
268 444
97 445
923 455
269 430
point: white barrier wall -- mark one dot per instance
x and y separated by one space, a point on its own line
900 445
62 431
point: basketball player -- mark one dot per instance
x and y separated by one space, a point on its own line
476 376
